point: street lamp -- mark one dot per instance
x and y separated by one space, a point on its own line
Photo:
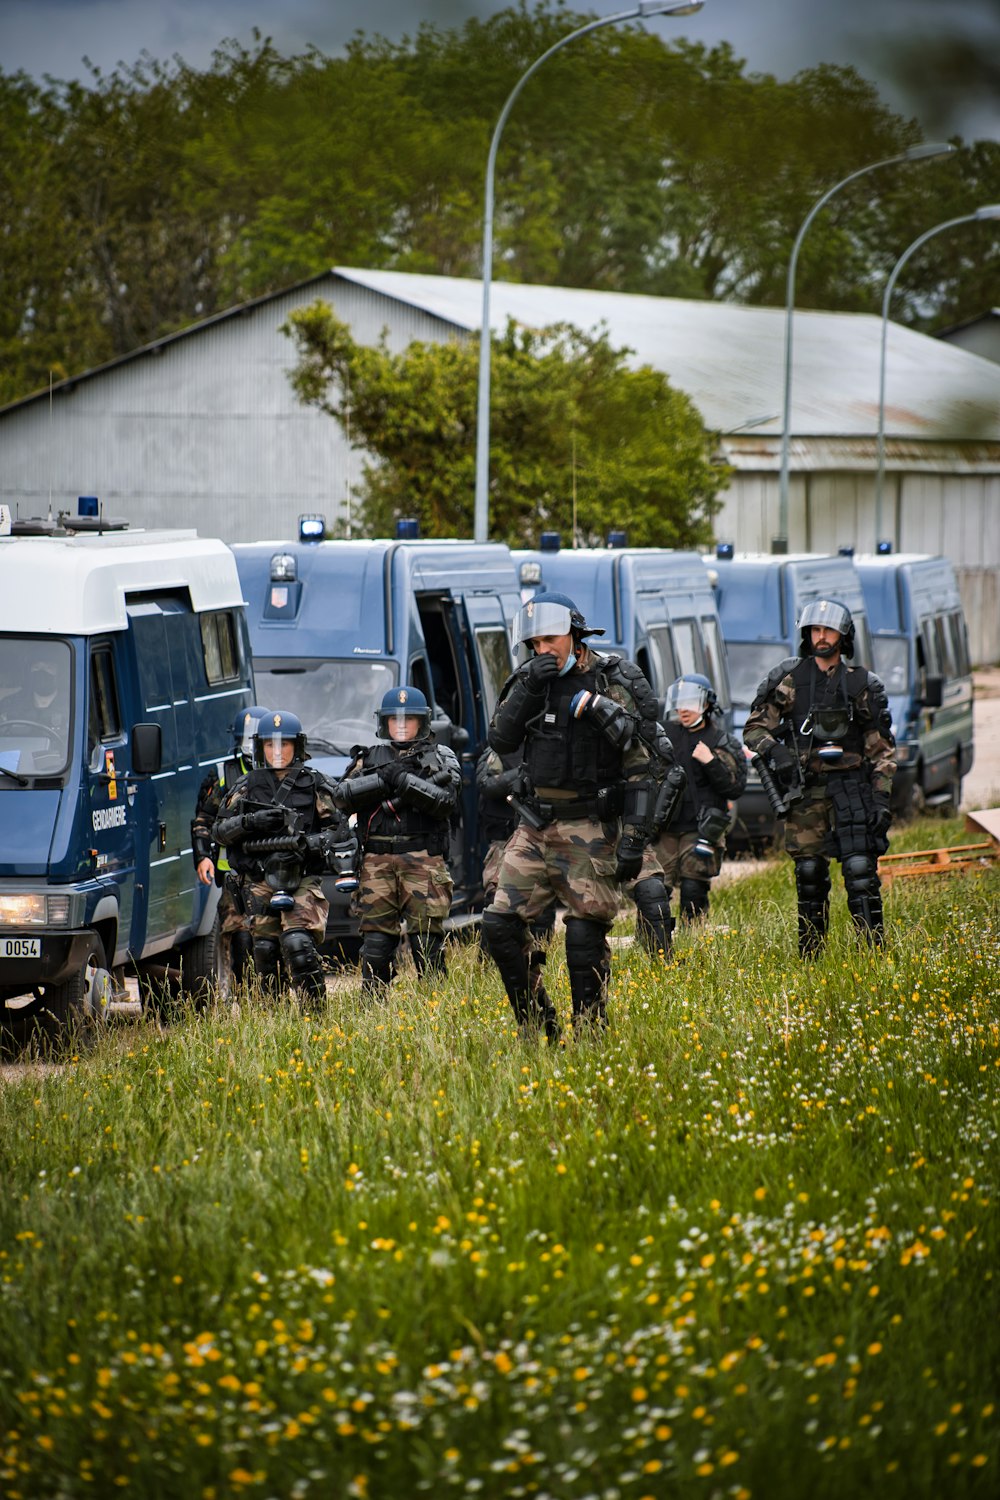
641 11
988 211
915 153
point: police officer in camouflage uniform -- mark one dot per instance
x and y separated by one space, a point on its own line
690 851
574 713
404 790
281 829
823 732
210 863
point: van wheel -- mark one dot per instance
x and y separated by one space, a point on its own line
916 805
950 803
202 967
82 1002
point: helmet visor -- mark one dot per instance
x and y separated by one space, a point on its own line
686 695
403 724
246 740
826 613
537 618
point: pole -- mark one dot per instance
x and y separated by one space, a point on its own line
915 153
639 11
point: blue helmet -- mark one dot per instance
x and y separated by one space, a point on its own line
276 729
398 705
693 691
547 614
244 728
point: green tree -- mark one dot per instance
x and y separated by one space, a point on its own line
576 435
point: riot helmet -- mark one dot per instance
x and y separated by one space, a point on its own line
833 615
398 705
692 692
244 729
278 729
547 614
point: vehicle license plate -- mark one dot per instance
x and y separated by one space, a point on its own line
20 947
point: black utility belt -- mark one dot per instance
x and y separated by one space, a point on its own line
558 812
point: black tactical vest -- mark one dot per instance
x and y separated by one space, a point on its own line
296 790
698 791
561 751
819 693
404 824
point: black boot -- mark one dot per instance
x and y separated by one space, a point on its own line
588 960
812 885
654 926
505 938
428 953
864 897
240 955
377 968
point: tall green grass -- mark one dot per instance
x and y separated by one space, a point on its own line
744 1244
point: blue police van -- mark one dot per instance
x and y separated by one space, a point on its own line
124 657
921 653
656 605
335 624
760 597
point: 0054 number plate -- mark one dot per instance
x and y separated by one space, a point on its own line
20 947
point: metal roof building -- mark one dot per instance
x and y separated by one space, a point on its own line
201 428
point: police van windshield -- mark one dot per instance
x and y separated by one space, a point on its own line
336 700
891 661
749 663
35 706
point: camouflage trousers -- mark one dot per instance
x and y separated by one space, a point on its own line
416 886
809 826
307 915
491 866
677 860
572 861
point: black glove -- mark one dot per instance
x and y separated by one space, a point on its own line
782 763
266 820
879 818
541 670
631 847
392 774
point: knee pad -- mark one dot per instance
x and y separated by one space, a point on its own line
586 944
652 898
301 958
266 952
693 896
377 952
504 934
812 879
861 875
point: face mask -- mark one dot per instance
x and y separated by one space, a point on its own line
570 663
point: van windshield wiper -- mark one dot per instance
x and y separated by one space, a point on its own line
14 776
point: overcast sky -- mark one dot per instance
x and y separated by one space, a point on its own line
938 60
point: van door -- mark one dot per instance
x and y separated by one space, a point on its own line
116 802
942 652
159 626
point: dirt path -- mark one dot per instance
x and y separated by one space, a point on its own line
981 788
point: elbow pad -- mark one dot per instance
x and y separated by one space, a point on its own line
355 793
615 722
437 800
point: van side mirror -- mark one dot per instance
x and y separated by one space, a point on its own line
147 749
933 693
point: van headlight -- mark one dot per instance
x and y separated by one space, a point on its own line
34 909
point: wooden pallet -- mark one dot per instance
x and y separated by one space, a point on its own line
959 859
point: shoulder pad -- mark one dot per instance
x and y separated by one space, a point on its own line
777 673
634 679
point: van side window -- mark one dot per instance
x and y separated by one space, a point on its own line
687 645
959 643
945 660
929 641
716 658
104 721
220 646
663 658
495 663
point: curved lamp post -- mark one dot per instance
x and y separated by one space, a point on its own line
915 153
642 10
988 211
